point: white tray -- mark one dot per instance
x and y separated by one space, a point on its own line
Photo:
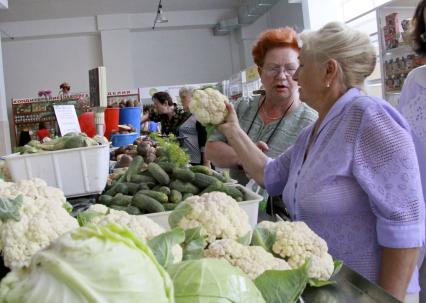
77 171
250 206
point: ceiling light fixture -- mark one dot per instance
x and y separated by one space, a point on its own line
159 18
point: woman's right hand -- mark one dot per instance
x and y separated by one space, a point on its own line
231 122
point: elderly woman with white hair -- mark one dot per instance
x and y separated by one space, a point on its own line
352 175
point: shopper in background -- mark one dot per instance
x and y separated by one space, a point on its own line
167 113
193 132
272 121
149 126
24 137
412 105
64 89
43 131
352 176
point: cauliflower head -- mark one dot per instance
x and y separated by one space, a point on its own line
208 106
217 214
143 227
43 219
253 260
297 243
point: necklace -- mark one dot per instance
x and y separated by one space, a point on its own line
277 117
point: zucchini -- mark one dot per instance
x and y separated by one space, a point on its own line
201 169
147 204
159 196
122 200
105 199
202 180
175 196
183 174
184 187
158 173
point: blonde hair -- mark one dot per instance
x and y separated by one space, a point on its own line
352 49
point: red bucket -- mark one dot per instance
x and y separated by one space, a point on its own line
112 116
87 123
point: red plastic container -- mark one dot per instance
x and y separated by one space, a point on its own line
87 123
112 116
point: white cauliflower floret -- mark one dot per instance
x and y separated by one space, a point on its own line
43 219
208 106
143 227
253 260
218 216
297 243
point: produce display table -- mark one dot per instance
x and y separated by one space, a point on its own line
351 287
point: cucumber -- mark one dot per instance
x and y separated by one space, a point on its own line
105 199
122 200
143 186
201 169
167 166
175 196
184 187
215 186
132 188
233 192
147 204
142 179
159 196
202 180
158 173
183 174
165 190
133 210
219 176
169 206
122 188
186 195
118 207
134 167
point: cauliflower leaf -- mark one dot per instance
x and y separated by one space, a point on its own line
9 208
162 245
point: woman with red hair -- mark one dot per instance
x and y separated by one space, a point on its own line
274 120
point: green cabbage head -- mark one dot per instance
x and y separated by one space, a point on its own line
90 264
212 281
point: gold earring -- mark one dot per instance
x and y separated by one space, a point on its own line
327 85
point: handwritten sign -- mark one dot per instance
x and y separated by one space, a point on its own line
67 119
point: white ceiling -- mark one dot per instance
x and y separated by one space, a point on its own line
22 10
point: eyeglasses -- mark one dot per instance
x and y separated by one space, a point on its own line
273 71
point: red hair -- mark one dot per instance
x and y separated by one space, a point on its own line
279 37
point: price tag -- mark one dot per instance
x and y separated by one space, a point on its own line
67 119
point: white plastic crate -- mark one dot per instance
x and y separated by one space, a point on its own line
77 171
250 206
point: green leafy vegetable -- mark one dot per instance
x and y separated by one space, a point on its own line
91 264
263 237
182 210
194 244
283 286
162 244
212 281
9 208
170 150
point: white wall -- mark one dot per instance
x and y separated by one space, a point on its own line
44 63
5 146
166 57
